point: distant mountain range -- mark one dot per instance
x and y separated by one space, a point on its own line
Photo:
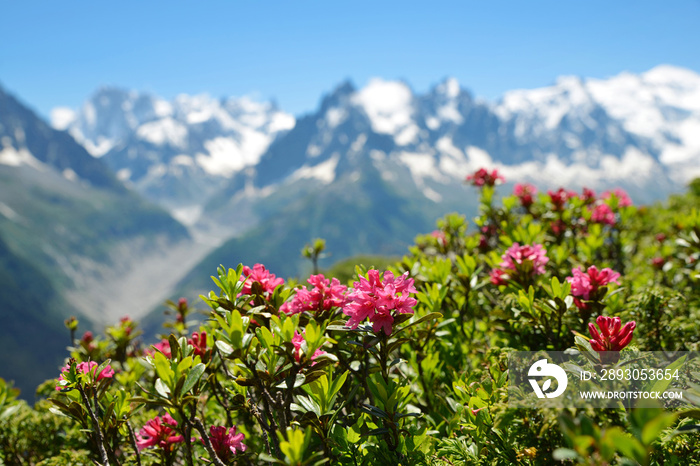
237 180
67 228
177 153
201 157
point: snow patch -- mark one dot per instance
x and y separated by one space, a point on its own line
324 171
123 174
313 151
228 156
70 175
157 170
421 166
335 116
14 158
634 167
407 135
96 149
389 105
188 215
162 132
281 121
358 143
9 213
62 117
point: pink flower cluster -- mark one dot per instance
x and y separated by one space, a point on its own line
163 346
613 336
585 285
89 367
602 213
520 263
482 177
226 441
623 199
588 196
324 295
439 237
525 193
376 298
158 432
559 197
298 340
268 281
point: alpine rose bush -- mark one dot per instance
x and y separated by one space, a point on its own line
585 285
324 295
226 441
89 367
612 338
398 370
525 192
259 274
483 177
520 264
159 432
377 298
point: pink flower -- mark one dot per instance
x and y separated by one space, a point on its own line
658 262
586 285
482 177
588 196
376 298
226 441
163 347
158 432
439 237
89 367
516 256
520 264
612 337
324 295
558 227
623 199
560 197
602 213
525 193
268 281
87 337
298 340
499 277
199 342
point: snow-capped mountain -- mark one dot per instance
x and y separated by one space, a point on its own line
637 131
176 153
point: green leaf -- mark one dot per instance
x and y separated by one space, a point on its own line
652 429
224 347
662 384
162 389
192 377
309 405
298 382
562 454
163 367
431 316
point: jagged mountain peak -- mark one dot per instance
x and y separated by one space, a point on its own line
338 97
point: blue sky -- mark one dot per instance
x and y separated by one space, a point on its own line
58 53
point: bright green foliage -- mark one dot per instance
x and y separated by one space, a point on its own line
306 389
